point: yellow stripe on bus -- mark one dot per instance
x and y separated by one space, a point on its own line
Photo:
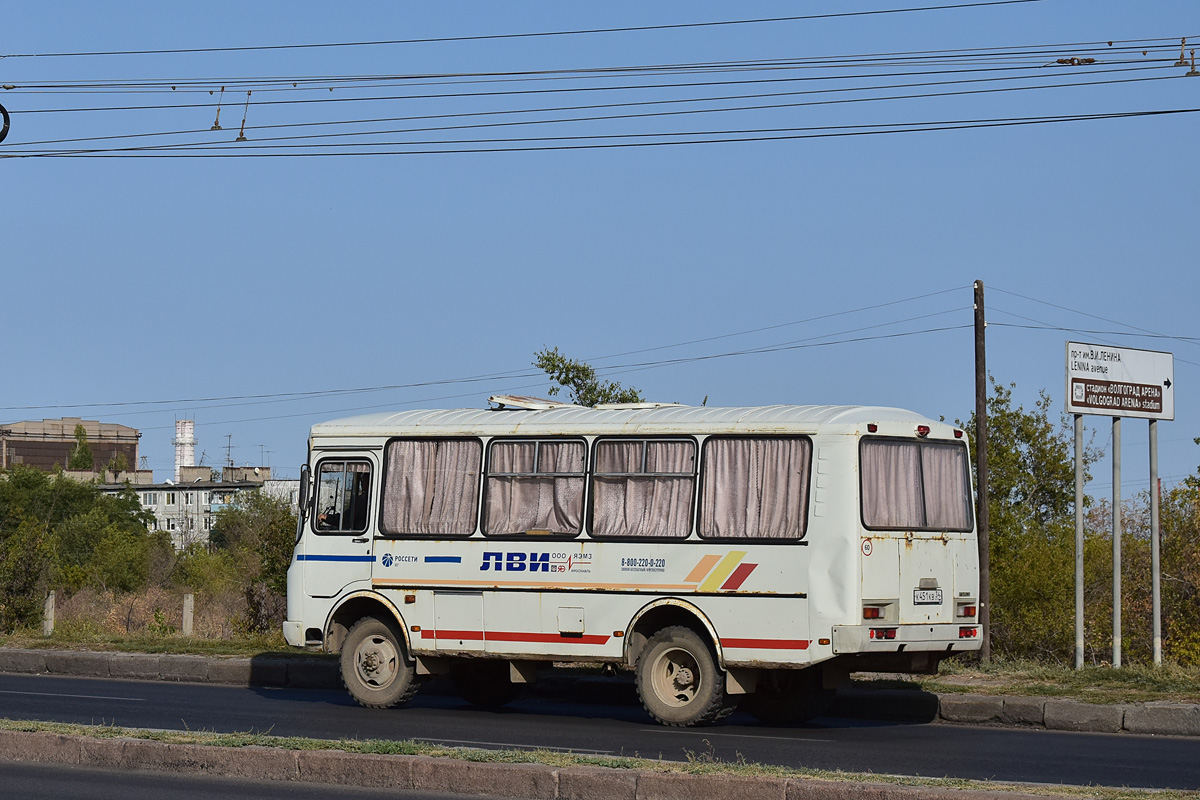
723 571
706 563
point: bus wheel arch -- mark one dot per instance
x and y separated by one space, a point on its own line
353 607
664 613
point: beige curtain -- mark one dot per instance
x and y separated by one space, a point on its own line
432 487
535 486
644 488
755 488
947 491
891 485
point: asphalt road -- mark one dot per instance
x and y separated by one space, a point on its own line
58 782
590 722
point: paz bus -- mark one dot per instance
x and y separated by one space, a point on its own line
727 556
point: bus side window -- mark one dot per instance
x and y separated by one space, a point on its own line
343 496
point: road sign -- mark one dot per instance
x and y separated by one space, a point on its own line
1120 381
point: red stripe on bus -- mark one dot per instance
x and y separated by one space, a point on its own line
767 644
512 636
739 575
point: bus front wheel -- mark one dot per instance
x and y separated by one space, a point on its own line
375 667
679 681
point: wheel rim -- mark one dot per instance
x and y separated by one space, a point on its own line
376 662
675 676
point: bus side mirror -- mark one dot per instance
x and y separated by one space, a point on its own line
304 487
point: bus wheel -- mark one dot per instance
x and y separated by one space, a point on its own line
789 696
375 668
678 679
485 684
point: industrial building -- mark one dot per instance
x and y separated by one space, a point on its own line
48 443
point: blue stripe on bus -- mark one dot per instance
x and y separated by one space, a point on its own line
443 559
303 557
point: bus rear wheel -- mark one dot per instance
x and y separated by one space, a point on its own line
789 696
678 679
375 666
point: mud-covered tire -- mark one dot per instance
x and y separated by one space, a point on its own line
678 679
375 666
789 696
484 683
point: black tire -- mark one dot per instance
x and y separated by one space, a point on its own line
484 683
789 696
375 666
678 679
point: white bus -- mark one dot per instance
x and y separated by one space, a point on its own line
726 555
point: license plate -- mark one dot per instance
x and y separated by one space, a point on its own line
927 597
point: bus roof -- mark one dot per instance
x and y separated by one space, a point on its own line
661 419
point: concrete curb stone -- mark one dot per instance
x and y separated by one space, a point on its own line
23 661
139 666
532 781
588 783
679 786
235 671
314 674
970 708
70 662
1071 715
1024 711
185 668
372 771
1168 719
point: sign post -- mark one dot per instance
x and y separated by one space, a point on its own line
1118 382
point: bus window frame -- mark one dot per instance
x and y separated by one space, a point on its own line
591 486
385 460
316 494
585 475
862 510
702 465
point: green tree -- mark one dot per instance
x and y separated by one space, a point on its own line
118 463
579 378
259 532
1031 477
81 456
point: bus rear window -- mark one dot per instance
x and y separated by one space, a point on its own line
431 487
909 485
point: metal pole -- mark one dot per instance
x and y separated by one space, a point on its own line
981 472
1116 543
1078 541
1156 586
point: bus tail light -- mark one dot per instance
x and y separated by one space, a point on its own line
958 434
872 427
922 431
883 633
968 633
967 610
872 612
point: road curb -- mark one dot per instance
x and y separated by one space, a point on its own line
309 672
422 773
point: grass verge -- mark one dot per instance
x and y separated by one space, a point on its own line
701 763
269 644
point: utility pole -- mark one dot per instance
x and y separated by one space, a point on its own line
981 476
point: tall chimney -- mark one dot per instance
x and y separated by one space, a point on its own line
185 445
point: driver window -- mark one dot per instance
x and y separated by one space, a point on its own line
343 494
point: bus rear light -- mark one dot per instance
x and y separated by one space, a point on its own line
966 611
883 633
958 434
968 633
872 427
872 612
922 431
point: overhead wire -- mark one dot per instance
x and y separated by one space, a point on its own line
526 35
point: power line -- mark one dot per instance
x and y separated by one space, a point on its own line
547 144
527 35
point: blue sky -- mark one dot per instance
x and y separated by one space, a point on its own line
171 279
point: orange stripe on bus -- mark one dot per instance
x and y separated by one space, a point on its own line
702 568
674 587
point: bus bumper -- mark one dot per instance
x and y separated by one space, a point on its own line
893 638
293 632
